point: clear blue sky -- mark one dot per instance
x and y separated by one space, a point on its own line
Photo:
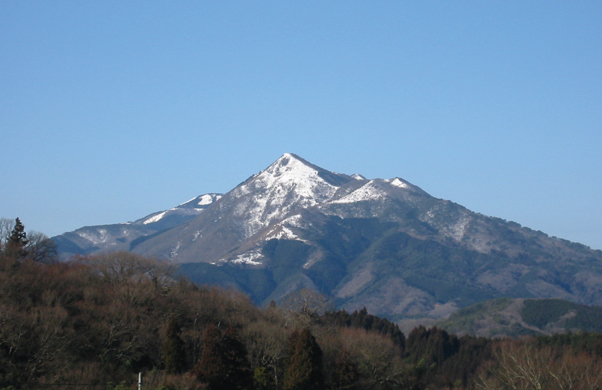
111 110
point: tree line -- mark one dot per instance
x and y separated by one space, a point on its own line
97 321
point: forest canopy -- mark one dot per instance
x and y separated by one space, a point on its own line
97 321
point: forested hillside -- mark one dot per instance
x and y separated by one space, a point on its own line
97 321
523 317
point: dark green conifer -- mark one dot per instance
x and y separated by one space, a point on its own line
345 373
210 367
239 375
174 353
17 241
224 364
304 371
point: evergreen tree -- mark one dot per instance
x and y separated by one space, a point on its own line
174 352
346 372
304 371
224 363
239 375
17 241
209 368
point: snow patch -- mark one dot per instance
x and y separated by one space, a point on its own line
155 218
282 233
458 230
397 182
293 220
250 258
369 191
197 234
188 201
207 200
202 200
100 238
174 251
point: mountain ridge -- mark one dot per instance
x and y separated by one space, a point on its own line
508 317
385 244
114 237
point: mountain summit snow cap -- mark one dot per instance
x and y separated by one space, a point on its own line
290 183
292 176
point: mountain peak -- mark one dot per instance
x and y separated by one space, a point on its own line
289 162
288 184
288 156
298 169
290 168
291 174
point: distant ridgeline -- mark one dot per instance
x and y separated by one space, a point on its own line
520 317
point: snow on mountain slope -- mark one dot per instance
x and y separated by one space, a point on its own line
154 218
384 244
397 182
92 239
268 206
201 201
288 184
367 192
189 208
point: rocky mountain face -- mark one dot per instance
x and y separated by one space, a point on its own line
383 244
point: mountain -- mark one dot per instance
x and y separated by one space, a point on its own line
122 236
380 243
523 317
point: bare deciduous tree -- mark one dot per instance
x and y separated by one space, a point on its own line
378 359
6 226
40 248
267 346
120 267
524 366
37 246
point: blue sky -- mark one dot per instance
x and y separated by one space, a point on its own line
112 110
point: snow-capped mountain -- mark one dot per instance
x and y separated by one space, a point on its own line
289 184
380 243
92 239
275 203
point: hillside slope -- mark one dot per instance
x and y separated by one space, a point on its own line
521 317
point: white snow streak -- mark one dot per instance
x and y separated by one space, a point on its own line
282 233
367 192
250 258
102 237
155 218
197 234
175 250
